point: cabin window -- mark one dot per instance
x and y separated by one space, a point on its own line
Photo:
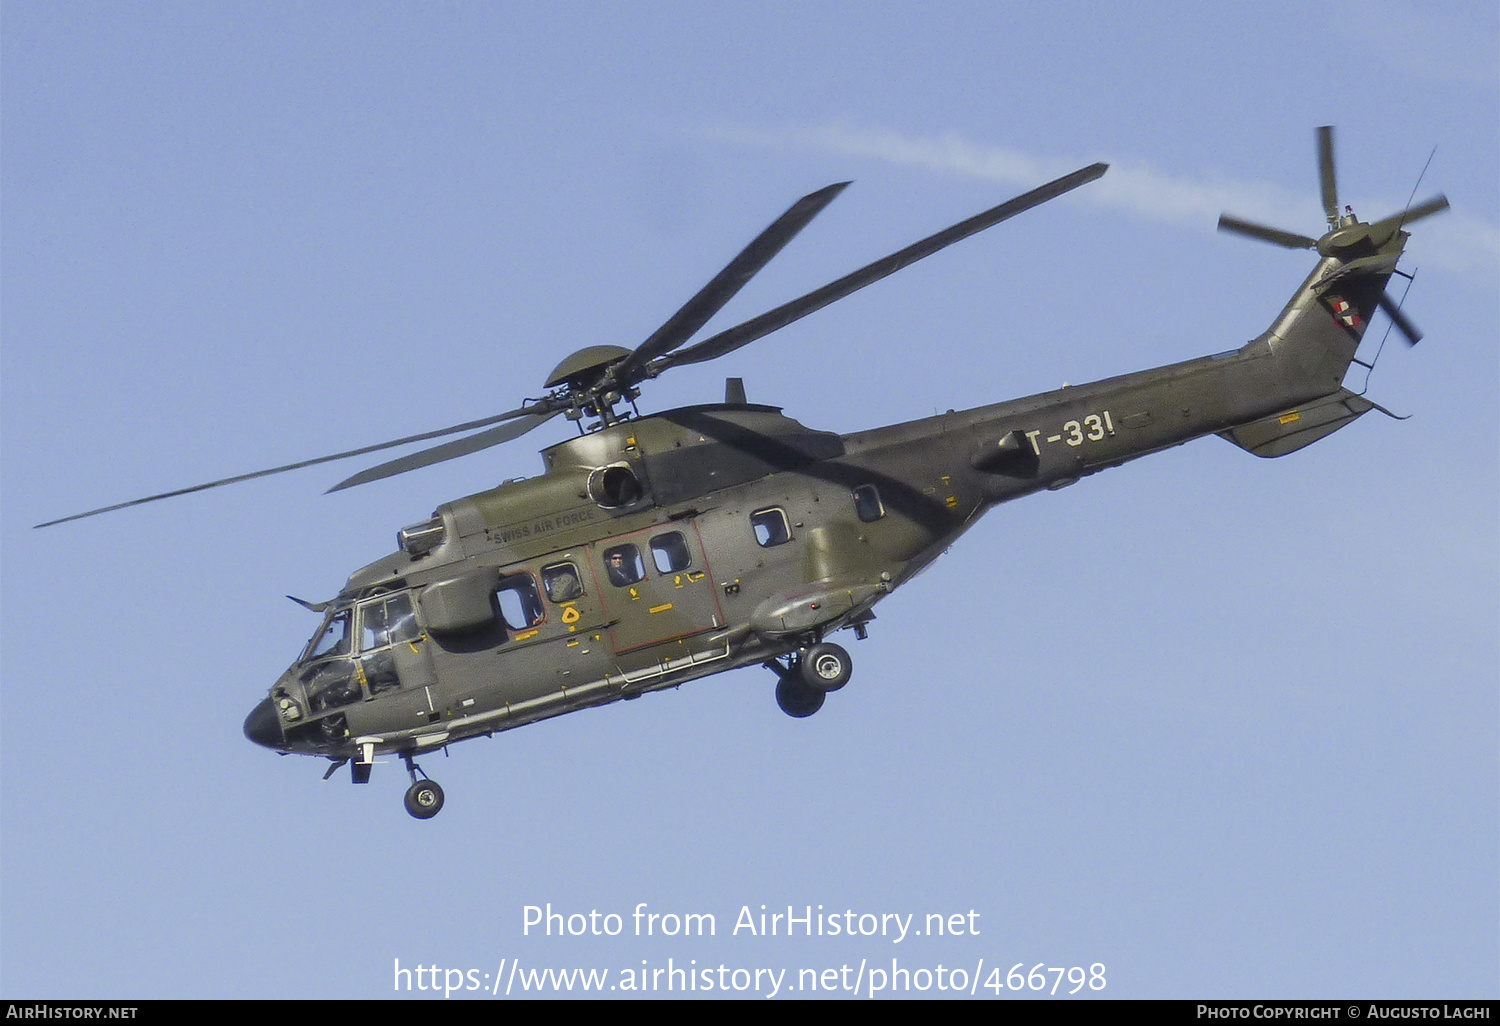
614 486
670 553
387 621
623 565
770 527
867 503
561 581
520 604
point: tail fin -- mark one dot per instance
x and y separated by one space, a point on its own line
1317 335
1319 332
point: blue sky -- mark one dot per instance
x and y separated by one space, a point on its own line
1226 726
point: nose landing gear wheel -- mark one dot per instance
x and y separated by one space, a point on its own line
424 799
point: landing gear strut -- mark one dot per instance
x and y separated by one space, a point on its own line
805 679
424 799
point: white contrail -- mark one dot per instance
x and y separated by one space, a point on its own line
1454 240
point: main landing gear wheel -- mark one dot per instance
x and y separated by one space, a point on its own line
424 799
796 698
825 667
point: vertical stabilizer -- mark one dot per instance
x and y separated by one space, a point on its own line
1317 334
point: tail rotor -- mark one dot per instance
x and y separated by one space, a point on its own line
1358 245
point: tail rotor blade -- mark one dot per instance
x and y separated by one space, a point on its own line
1426 208
1275 236
1400 320
1326 177
1381 229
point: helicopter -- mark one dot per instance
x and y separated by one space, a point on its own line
656 549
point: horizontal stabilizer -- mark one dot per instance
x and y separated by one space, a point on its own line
1290 430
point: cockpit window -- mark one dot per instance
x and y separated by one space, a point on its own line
330 684
334 639
387 621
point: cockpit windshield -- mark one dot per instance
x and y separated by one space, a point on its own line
332 640
335 675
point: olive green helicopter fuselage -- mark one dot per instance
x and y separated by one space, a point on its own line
748 538
657 549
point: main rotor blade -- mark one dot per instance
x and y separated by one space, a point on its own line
759 327
1326 178
1426 208
1290 240
297 466
1399 319
695 313
450 450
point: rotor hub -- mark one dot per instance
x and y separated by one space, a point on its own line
1341 242
586 368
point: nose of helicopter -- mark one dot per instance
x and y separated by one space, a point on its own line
263 726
